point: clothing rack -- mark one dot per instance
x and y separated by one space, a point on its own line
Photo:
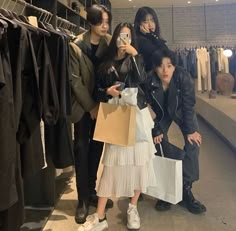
199 44
44 15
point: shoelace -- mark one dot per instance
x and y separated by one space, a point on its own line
135 211
90 219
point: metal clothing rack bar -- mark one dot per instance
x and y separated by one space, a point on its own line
48 16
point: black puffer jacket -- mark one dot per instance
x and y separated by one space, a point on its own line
147 45
181 100
130 71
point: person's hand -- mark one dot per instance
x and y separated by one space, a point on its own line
127 48
144 29
195 137
158 139
113 90
94 112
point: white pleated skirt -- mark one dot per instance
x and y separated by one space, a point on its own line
128 168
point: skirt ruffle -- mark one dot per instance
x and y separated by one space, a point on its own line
128 168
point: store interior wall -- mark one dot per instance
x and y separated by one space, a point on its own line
190 26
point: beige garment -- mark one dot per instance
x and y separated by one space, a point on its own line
223 62
203 69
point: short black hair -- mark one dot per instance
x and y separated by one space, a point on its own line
94 14
158 56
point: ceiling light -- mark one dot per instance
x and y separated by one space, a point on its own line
130 0
188 2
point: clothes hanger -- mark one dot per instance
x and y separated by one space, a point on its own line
3 26
4 15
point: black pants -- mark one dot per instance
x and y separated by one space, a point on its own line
190 162
87 154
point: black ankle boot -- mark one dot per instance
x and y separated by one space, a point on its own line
194 206
93 201
81 211
162 205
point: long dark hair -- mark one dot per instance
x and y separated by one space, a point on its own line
141 16
112 50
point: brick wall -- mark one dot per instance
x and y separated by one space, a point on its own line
194 25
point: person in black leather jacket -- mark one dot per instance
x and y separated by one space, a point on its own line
147 30
127 69
171 95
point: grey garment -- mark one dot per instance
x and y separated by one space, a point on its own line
184 60
190 161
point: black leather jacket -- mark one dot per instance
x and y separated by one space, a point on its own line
147 45
181 100
130 71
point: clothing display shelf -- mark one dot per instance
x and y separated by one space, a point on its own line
88 3
63 11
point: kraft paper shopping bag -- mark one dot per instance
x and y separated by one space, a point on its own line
116 124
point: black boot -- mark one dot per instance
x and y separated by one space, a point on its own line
194 206
81 211
93 201
162 205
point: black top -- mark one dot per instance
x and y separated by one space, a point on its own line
147 45
94 58
129 70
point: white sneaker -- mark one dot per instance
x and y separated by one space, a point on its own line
133 217
92 224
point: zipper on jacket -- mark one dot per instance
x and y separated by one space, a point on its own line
177 104
136 65
160 108
113 69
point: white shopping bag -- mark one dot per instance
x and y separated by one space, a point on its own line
169 179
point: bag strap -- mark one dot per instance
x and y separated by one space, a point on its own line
162 153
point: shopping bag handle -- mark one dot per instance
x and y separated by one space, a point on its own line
161 149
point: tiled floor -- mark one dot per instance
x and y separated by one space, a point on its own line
216 189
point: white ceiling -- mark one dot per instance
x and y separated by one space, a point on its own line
164 3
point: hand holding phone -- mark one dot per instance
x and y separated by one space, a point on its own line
121 87
123 36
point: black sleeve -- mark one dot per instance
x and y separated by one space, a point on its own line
138 69
188 101
103 81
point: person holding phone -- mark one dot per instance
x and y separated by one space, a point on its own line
127 170
148 33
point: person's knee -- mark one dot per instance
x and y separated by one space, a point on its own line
191 148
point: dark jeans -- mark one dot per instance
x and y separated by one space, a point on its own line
190 162
87 154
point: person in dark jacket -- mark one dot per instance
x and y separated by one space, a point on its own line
126 170
170 93
149 38
85 54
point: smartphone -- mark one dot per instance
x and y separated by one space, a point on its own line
121 87
124 36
